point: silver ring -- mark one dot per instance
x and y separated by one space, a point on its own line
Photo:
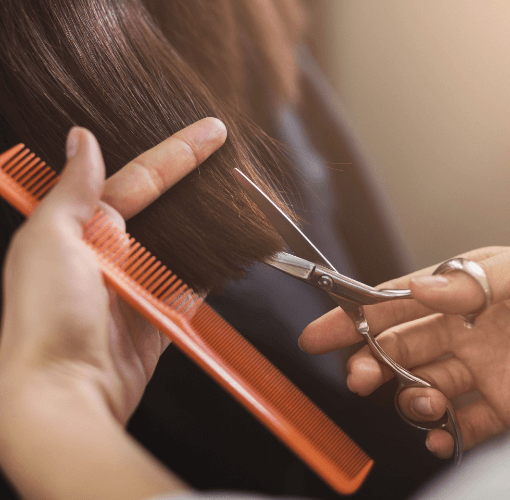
478 274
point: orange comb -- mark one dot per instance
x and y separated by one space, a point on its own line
203 335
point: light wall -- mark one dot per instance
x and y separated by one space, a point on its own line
427 87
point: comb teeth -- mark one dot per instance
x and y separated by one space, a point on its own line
138 265
25 178
155 292
31 173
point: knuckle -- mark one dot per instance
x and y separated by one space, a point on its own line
468 429
154 175
395 346
190 150
399 346
459 380
398 311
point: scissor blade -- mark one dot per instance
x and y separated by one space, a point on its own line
292 265
304 270
291 234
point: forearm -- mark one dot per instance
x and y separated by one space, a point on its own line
58 443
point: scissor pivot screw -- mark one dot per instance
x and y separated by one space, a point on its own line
325 282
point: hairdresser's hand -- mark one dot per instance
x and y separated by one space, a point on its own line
59 319
427 336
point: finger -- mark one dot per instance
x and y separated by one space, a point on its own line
458 293
416 345
477 255
413 344
452 379
76 195
450 375
148 176
478 422
336 330
422 404
440 443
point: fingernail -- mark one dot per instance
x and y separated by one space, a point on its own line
73 142
421 406
431 281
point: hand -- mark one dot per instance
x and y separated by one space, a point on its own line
59 320
426 335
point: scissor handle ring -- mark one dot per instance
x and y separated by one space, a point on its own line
475 270
448 422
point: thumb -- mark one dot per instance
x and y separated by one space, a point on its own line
81 183
458 292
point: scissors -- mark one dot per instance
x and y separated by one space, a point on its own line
309 265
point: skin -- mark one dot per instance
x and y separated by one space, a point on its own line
426 335
74 359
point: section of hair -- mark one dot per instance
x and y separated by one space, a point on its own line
105 65
214 35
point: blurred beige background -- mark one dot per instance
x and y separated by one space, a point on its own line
427 87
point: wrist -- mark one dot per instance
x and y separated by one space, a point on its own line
59 440
45 373
50 389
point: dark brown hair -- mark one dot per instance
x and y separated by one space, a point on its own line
135 72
